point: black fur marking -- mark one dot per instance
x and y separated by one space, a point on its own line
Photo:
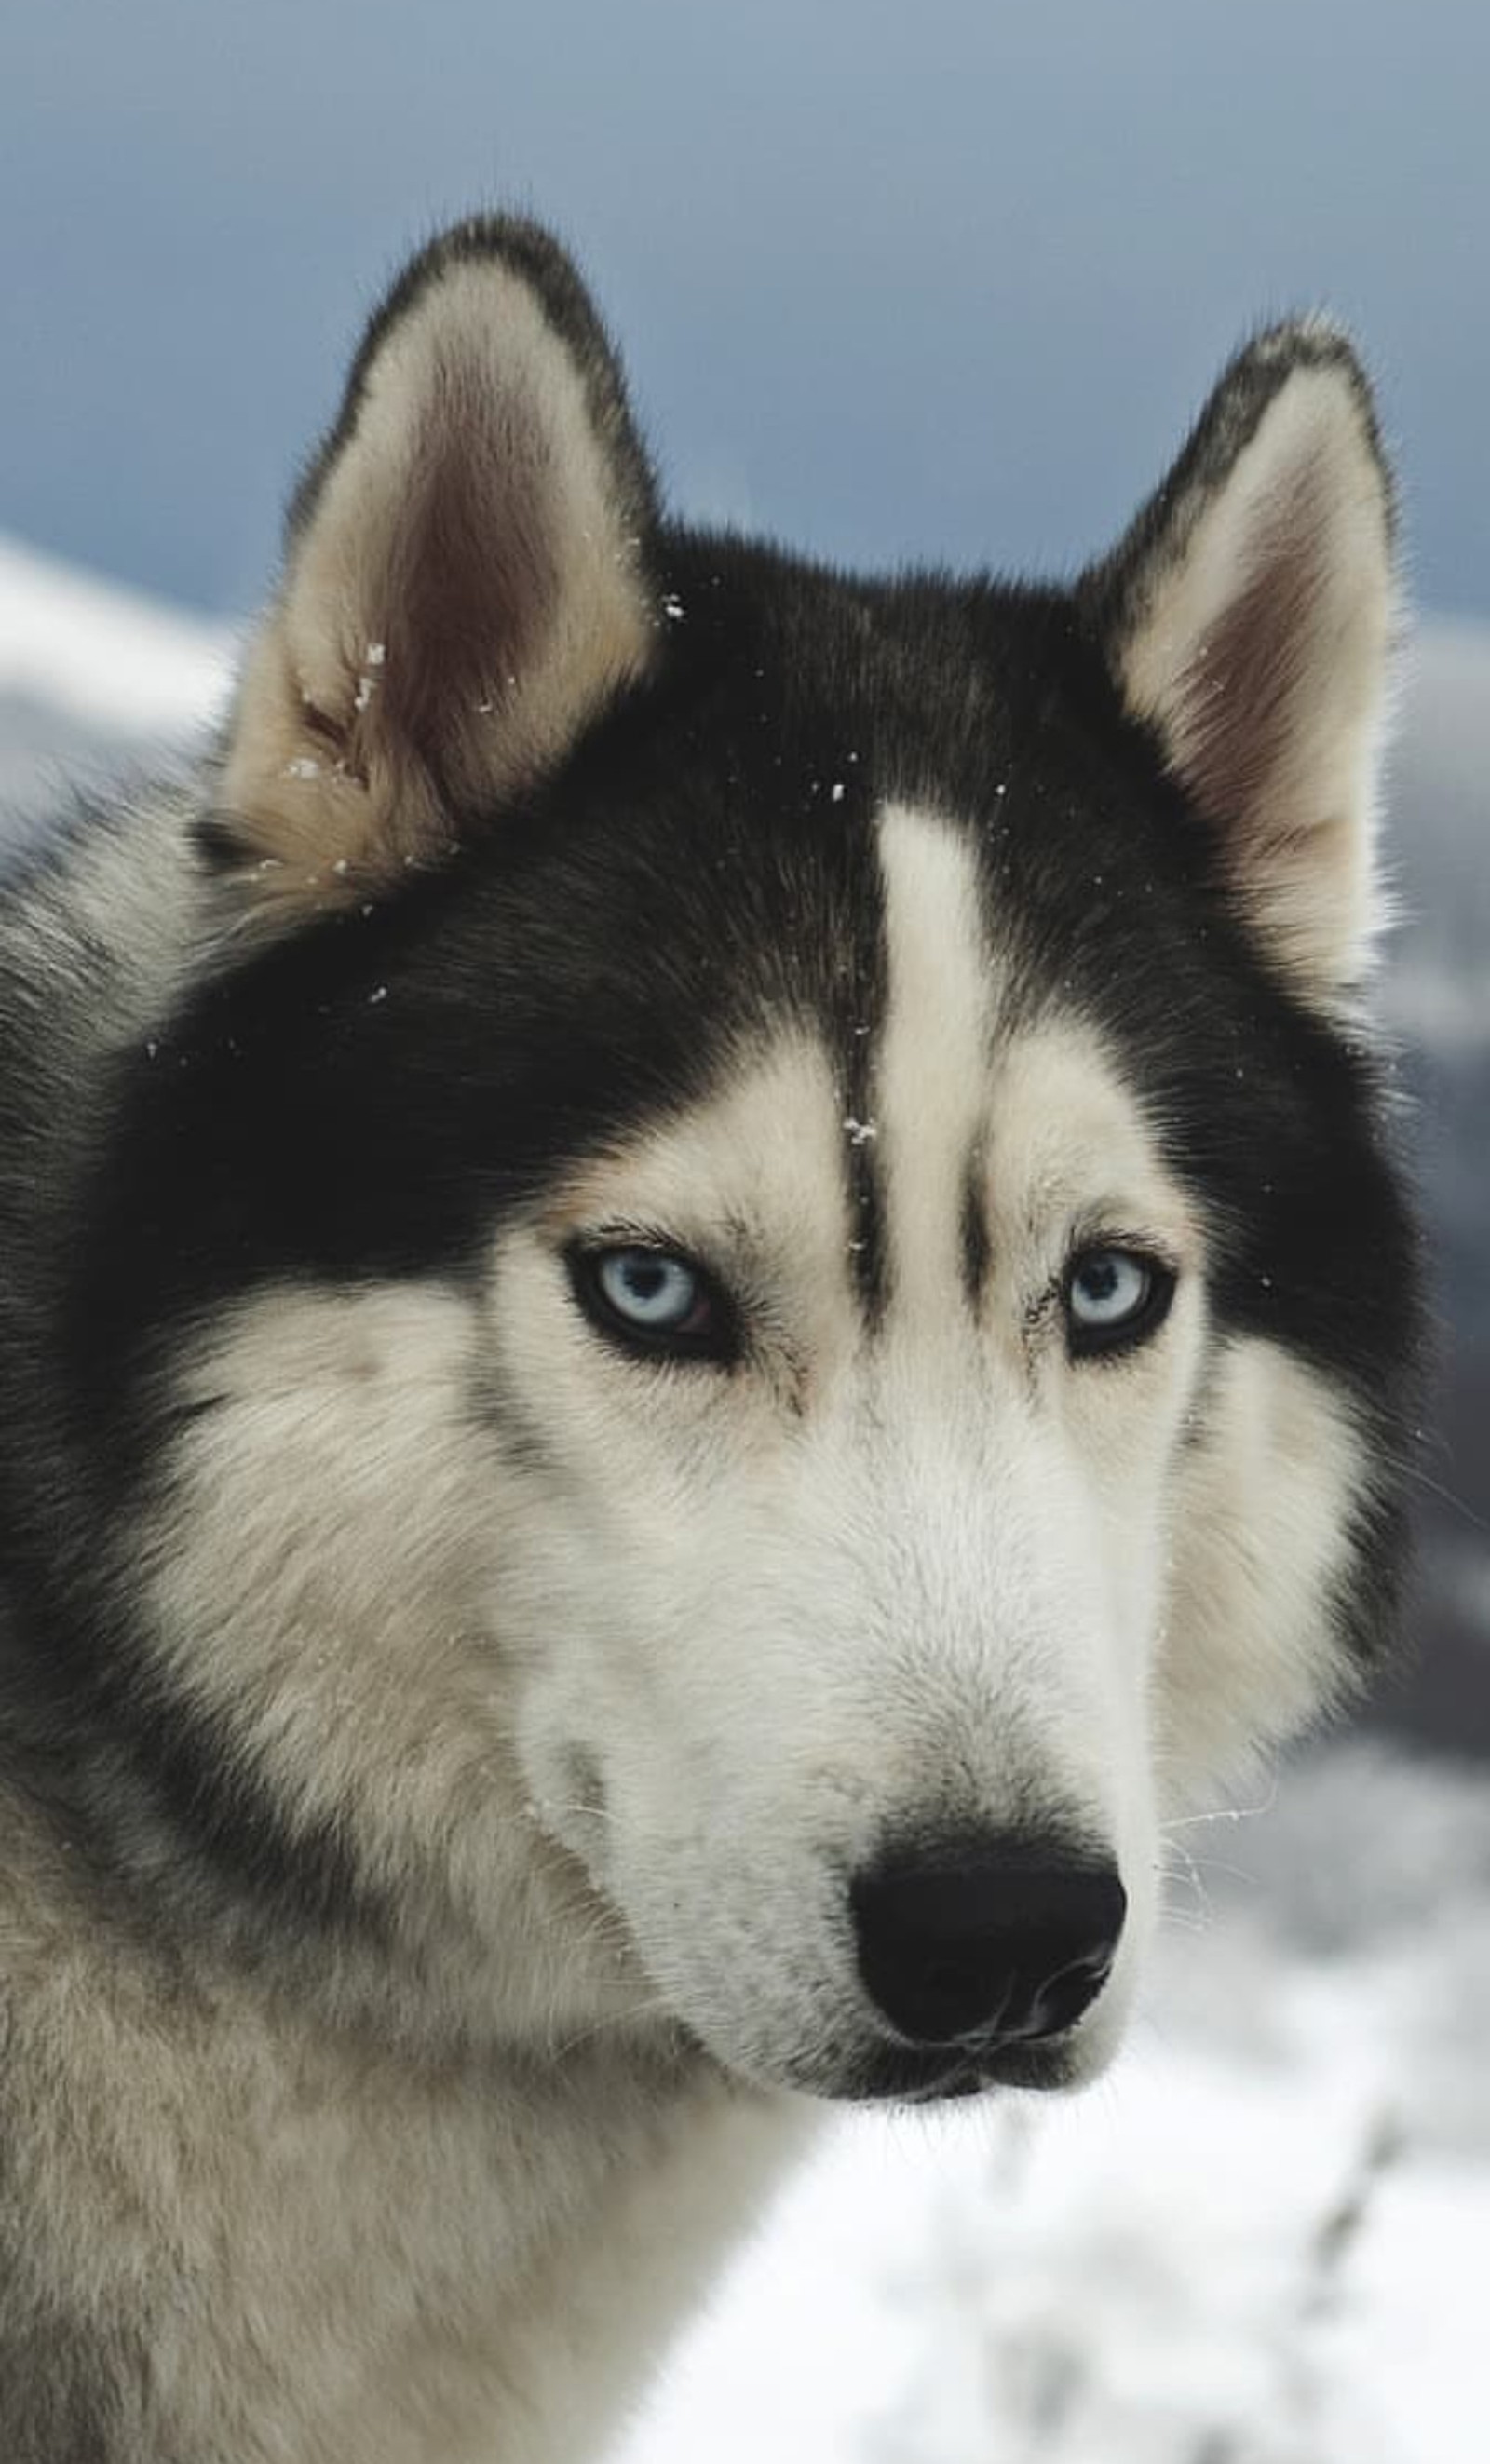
197 1779
69 1680
976 1253
863 1005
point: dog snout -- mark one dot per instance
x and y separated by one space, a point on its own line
999 1936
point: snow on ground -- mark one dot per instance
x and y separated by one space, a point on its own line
1262 2240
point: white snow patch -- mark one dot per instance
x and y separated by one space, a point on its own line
104 654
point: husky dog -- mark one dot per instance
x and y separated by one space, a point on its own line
703 1291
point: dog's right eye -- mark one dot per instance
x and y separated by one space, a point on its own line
655 1300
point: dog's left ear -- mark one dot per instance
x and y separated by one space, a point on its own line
465 581
1246 618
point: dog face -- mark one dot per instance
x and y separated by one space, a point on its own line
756 1311
837 1621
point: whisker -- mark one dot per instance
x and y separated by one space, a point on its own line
1179 1864
1460 1504
1223 1814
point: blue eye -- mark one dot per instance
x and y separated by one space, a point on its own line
654 1300
1114 1298
649 1289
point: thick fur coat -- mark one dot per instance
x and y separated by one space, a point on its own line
703 1292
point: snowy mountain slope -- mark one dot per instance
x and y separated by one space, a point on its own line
1264 2240
90 674
101 655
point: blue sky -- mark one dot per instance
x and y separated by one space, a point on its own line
943 280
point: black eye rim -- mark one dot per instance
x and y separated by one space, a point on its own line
715 1344
1087 1342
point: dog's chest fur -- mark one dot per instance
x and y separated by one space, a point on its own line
306 2245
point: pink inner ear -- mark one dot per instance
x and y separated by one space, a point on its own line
1252 636
471 581
465 590
1237 699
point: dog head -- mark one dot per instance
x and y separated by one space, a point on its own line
754 1313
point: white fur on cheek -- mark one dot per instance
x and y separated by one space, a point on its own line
1262 1539
319 1572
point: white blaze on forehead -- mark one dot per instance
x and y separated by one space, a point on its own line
932 1079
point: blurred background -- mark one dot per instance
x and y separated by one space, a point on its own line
942 283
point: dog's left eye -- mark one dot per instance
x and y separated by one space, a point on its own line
1114 1298
654 1300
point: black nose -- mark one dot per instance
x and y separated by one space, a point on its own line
997 1936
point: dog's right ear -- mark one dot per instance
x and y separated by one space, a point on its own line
466 580
1246 620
